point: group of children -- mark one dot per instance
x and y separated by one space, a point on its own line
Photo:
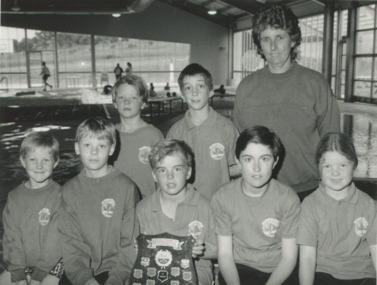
253 226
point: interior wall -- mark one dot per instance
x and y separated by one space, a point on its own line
161 22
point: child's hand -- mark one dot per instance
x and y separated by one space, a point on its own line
50 280
198 249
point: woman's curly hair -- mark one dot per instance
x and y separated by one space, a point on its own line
277 16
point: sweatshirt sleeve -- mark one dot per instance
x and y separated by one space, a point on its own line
14 255
74 248
328 115
130 231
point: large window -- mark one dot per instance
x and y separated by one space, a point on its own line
246 59
73 60
365 72
312 42
338 72
156 61
40 47
12 58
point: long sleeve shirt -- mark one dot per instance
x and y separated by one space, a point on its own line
98 226
30 230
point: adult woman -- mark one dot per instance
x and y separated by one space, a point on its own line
294 101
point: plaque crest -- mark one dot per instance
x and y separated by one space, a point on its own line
165 259
145 261
175 271
151 272
185 263
138 273
162 275
187 276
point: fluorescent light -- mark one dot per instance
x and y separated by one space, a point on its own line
116 15
212 12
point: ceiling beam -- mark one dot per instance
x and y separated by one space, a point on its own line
199 11
249 6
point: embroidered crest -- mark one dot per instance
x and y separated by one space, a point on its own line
163 258
195 229
107 208
150 282
217 151
44 217
270 227
144 154
361 226
174 282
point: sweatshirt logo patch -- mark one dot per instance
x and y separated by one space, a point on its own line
107 207
361 226
217 151
144 154
270 227
44 217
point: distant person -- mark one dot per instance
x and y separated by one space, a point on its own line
97 225
257 217
45 75
118 71
176 207
31 242
129 68
211 136
338 224
167 87
295 101
151 92
136 137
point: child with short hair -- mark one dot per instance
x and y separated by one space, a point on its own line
256 216
30 240
176 207
211 136
338 225
98 224
136 137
